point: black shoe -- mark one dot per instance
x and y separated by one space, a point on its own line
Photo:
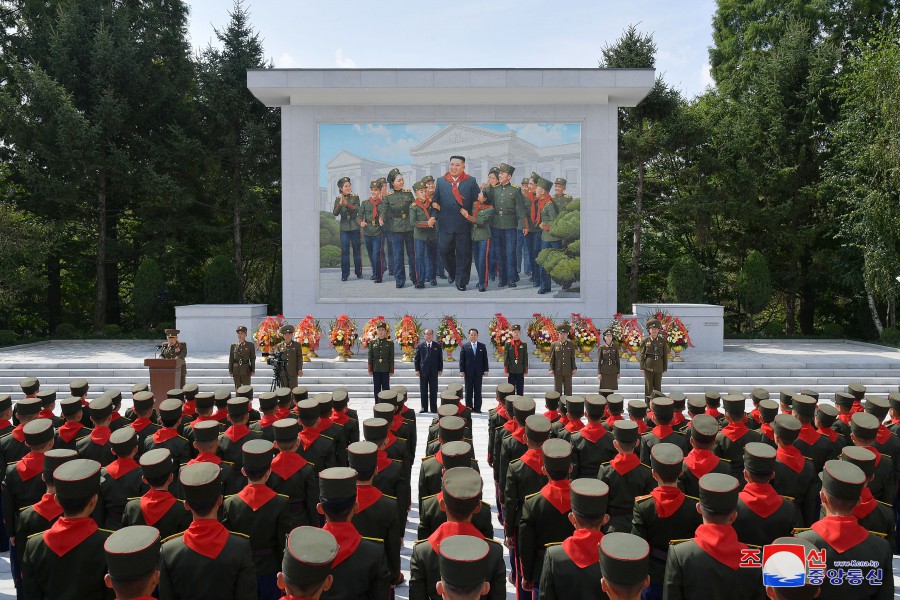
535 284
420 286
434 283
481 289
477 412
513 284
493 278
502 284
442 276
400 285
450 280
378 281
543 291
343 279
372 278
461 288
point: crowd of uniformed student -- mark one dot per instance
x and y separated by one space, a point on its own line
232 496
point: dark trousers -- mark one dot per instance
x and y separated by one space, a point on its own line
375 250
483 254
562 384
546 282
456 248
652 381
426 256
401 241
533 242
517 380
495 268
350 239
381 381
473 392
267 587
428 389
506 249
523 254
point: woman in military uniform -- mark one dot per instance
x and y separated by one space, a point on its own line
346 206
175 349
400 229
481 218
608 368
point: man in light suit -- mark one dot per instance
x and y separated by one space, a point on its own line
456 192
473 365
429 363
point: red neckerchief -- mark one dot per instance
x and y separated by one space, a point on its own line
285 464
448 529
761 498
163 435
857 407
206 537
366 496
502 412
841 533
49 508
155 504
583 547
641 426
536 210
121 466
883 435
754 414
18 433
283 412
454 186
700 462
189 408
735 431
876 452
623 463
563 419
668 499
809 434
348 540
423 204
552 415
895 421
235 433
790 457
515 344
767 430
519 435
375 202
396 422
255 495
662 431
66 534
511 425
437 456
339 417
69 430
46 413
114 416
100 435
574 425
678 418
391 440
324 423
534 458
384 461
867 504
210 457
4 424
845 417
460 408
308 437
220 415
593 432
830 433
202 418
611 419
720 542
713 412
558 494
267 420
31 465
140 424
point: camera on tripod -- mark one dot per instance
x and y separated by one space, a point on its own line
279 369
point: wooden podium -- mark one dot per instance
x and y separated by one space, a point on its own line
165 375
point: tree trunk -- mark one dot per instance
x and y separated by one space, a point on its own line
238 259
113 299
100 275
636 235
874 310
790 318
54 292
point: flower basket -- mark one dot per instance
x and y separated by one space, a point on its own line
585 335
370 331
449 335
342 337
407 333
676 334
545 335
309 333
267 336
630 336
500 334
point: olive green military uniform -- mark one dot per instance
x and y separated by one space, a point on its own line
431 517
481 228
185 574
179 446
651 438
430 473
76 575
562 201
522 480
398 203
293 354
623 489
692 573
562 364
548 215
242 363
301 486
347 207
380 520
514 364
873 549
511 448
591 447
115 491
363 575
175 520
391 480
659 531
321 453
267 527
509 205
803 487
425 571
757 529
18 492
542 524
177 351
381 356
371 215
653 356
418 218
608 366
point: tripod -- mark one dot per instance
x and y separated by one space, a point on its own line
279 377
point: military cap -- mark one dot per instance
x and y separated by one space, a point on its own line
784 396
654 323
843 479
560 181
463 561
615 403
342 181
56 457
787 428
455 386
47 397
383 410
143 400
206 431
734 404
123 440
511 409
286 430
557 455
712 397
30 385
826 414
504 390
535 176
894 400
339 395
172 332
388 396
245 391
696 405
857 390
759 394
132 552
301 392
418 186
375 430
810 393
457 454
5 401
139 387
494 171
101 407
878 407
308 555
526 180
38 432
392 175
337 483
575 405
70 406
704 428
663 407
383 180
283 395
78 387
804 405
324 403
308 410
565 327
28 406
861 457
678 397
864 426
238 407
201 482
524 408
666 459
175 393
505 168
637 408
844 399
258 454
624 559
204 400
656 394
223 394
286 329
115 396
594 405
537 428
462 483
719 492
768 410
447 410
625 431
759 458
156 463
449 397
515 327
451 429
268 400
375 184
363 456
381 325
78 478
544 183
241 328
589 497
551 399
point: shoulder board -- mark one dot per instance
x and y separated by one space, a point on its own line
807 458
24 508
692 497
516 460
229 463
513 185
532 495
10 463
881 535
797 530
567 196
675 542
184 438
135 498
284 496
604 464
106 530
331 438
646 465
34 534
230 495
427 497
243 535
310 463
641 498
379 540
395 497
885 503
754 546
424 458
419 541
724 460
492 540
399 438
552 544
791 498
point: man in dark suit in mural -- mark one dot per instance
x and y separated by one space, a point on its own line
456 192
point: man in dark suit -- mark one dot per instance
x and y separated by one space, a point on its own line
429 363
456 192
473 365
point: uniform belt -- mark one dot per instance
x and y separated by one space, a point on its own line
506 212
241 362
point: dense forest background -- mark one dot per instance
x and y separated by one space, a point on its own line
137 175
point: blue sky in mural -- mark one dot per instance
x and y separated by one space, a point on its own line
391 143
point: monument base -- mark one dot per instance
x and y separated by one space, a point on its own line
705 322
210 327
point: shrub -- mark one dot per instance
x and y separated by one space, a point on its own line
890 335
220 282
7 337
329 257
754 284
148 282
565 271
66 331
832 331
329 230
574 249
685 282
112 331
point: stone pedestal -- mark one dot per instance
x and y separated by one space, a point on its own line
210 327
705 322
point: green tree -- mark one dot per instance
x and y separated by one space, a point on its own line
754 285
685 282
220 285
148 283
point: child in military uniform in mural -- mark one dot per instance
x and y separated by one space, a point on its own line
346 206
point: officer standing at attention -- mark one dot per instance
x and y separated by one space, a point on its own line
292 352
515 360
174 349
242 359
346 206
381 360
608 366
509 211
371 222
562 361
654 361
399 228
